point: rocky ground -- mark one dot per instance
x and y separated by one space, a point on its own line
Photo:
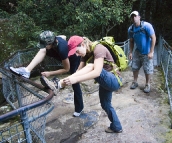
144 117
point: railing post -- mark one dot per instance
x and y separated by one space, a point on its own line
159 50
23 116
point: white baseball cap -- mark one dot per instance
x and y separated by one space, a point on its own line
135 13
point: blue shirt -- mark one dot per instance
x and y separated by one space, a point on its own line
62 49
142 37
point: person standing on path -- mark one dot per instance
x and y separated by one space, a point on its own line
56 47
98 70
141 34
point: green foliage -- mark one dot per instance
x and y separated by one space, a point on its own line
91 18
45 13
3 14
95 18
17 32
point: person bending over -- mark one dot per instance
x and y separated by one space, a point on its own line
98 70
56 47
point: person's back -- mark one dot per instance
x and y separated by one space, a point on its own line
52 46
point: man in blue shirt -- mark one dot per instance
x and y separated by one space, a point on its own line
143 36
56 47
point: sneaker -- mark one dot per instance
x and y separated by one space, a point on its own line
21 71
134 85
45 84
147 88
76 114
52 84
108 130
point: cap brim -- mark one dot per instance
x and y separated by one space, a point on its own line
41 45
72 52
134 13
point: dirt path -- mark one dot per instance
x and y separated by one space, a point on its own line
144 117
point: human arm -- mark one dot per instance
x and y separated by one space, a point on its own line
89 72
153 37
66 68
81 65
131 48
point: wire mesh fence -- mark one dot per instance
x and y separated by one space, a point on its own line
27 122
166 63
23 117
22 59
163 57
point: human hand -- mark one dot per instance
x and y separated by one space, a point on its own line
150 55
46 74
130 56
69 80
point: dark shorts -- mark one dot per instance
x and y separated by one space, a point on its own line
140 60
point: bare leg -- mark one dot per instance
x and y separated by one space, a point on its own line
37 59
135 74
147 76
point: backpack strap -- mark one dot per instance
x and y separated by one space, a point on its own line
142 29
114 66
92 49
131 29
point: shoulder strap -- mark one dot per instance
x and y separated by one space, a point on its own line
112 64
142 29
92 49
94 45
131 28
142 25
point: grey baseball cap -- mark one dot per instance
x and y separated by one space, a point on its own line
46 38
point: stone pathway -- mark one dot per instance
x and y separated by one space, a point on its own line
144 117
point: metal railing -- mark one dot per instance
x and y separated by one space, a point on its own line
166 63
20 59
27 122
30 106
23 117
163 55
125 46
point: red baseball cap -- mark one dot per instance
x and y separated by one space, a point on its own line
73 42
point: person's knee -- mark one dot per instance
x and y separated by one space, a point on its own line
104 106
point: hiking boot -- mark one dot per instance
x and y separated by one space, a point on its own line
55 80
134 85
108 130
52 84
21 71
76 114
147 88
